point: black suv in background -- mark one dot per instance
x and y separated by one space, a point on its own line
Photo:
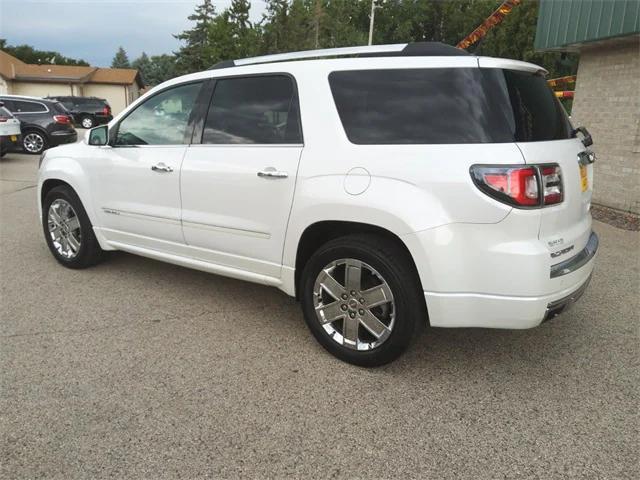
44 123
87 112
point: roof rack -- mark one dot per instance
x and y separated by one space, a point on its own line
417 49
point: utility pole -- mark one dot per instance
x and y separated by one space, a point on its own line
371 20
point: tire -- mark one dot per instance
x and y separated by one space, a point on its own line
34 142
87 252
87 122
379 260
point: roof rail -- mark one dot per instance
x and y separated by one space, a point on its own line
397 49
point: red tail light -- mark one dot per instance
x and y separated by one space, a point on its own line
106 110
520 186
3 119
63 119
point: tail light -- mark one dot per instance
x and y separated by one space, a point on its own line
551 184
106 110
62 119
3 119
521 186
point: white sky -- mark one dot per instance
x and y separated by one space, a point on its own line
94 29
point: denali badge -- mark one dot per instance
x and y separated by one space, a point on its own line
561 252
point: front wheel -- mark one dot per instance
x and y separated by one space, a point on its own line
362 299
68 230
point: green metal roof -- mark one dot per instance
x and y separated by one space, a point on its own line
569 23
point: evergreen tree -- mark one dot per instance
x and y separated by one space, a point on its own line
120 59
197 53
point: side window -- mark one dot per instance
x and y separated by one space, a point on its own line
254 110
28 107
161 120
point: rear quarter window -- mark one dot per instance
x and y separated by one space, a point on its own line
446 106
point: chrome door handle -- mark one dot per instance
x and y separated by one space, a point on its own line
271 172
161 167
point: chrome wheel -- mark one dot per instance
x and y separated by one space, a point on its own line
64 228
87 122
33 142
354 304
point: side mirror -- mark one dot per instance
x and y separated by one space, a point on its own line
586 136
99 135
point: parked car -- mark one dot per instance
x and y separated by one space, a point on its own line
87 112
45 123
417 184
9 131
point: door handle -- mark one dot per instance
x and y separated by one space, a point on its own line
161 167
271 172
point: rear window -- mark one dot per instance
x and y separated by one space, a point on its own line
28 107
446 105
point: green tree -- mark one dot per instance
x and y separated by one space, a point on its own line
143 65
197 53
28 54
120 59
161 68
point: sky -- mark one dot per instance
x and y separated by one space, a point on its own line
93 30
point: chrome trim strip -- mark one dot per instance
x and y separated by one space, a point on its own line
577 261
142 216
219 228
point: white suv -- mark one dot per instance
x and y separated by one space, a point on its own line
386 187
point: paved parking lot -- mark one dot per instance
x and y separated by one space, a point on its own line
139 369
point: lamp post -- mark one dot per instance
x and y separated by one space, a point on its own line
371 20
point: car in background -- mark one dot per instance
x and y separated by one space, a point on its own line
44 123
9 131
87 112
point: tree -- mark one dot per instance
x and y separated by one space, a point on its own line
28 54
120 59
197 54
143 65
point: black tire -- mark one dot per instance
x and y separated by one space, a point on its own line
90 123
89 253
396 267
27 138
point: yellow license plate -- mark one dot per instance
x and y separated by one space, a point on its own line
14 138
584 178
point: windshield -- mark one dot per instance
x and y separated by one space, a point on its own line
447 105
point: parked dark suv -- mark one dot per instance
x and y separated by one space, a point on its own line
45 123
87 112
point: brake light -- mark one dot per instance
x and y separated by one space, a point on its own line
106 110
3 119
62 119
521 186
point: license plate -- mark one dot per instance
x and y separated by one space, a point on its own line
14 138
584 179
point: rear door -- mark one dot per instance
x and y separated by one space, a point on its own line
237 184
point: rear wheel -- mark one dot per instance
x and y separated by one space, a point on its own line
87 122
68 230
34 142
362 300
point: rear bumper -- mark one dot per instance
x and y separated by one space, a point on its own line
61 137
498 275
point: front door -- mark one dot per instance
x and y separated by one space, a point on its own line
136 182
237 185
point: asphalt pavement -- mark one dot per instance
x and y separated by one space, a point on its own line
143 370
